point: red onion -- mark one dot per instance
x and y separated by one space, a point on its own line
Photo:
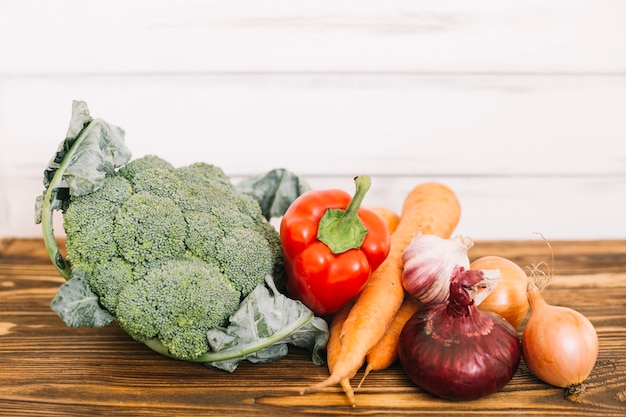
455 350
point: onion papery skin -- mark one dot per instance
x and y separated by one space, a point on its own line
508 299
559 344
459 357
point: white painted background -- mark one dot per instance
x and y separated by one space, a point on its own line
519 106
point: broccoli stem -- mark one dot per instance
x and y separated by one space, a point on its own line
47 210
238 351
50 241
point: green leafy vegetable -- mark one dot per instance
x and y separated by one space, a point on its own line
172 254
91 150
274 190
78 306
267 318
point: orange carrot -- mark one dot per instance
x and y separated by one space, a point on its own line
429 208
333 346
390 217
385 352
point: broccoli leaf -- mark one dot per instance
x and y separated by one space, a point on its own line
274 190
260 330
91 150
77 305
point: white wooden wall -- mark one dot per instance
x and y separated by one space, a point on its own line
519 106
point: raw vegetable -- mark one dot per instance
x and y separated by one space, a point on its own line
509 298
331 246
385 353
177 256
455 350
333 346
429 208
427 266
559 344
390 217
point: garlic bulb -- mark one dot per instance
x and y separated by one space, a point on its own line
428 263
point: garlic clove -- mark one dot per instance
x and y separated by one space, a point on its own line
428 264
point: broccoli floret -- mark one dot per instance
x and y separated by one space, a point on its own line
245 256
89 222
131 169
201 171
158 181
273 241
204 231
177 302
212 196
148 227
107 278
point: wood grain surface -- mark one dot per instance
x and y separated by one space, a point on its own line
48 369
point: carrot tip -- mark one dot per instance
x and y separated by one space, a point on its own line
317 387
345 384
368 369
347 389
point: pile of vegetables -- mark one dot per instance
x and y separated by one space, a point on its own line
453 325
188 263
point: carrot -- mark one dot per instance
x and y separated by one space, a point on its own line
385 352
429 208
333 346
390 217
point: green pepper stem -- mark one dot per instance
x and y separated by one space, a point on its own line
342 230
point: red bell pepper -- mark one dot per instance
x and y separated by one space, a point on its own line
331 246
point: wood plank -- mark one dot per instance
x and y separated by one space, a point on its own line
49 369
570 257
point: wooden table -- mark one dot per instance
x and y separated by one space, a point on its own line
49 369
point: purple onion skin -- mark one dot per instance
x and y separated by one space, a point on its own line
458 352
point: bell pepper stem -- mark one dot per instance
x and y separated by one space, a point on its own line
342 230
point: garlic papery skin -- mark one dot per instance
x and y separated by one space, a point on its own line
428 263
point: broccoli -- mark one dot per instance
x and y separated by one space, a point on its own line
108 277
246 256
129 170
148 213
148 227
177 302
92 215
182 259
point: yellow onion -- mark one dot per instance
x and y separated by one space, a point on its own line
559 344
509 298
